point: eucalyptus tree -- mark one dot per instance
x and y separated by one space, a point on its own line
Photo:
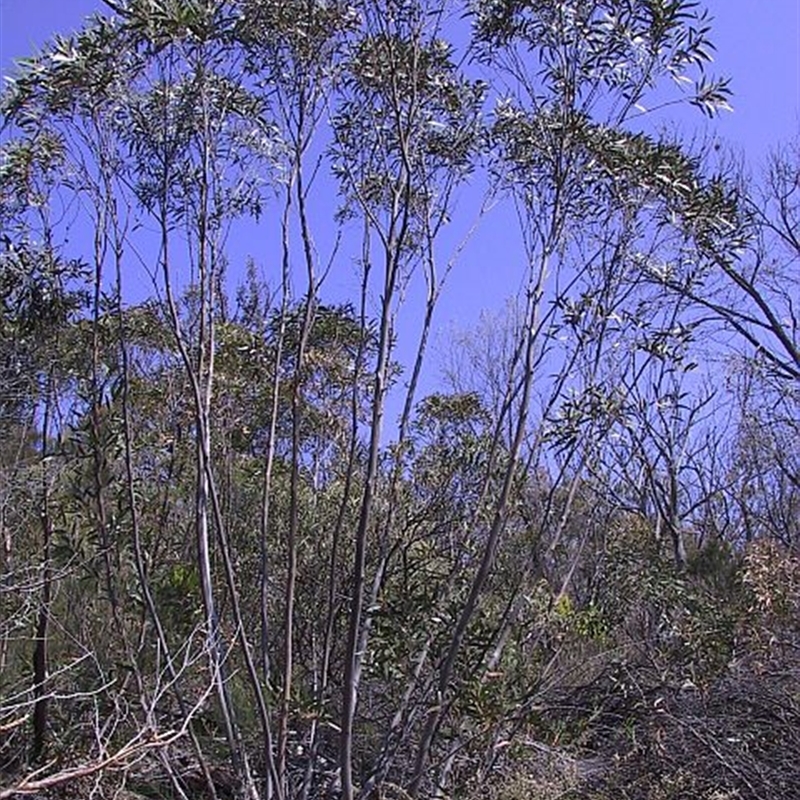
142 106
747 265
40 298
224 450
590 191
191 127
405 128
746 293
763 455
293 56
736 288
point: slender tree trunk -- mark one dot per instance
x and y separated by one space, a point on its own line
498 525
40 692
354 656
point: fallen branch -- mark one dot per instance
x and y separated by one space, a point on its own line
123 758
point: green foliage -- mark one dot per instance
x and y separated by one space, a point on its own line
623 47
37 304
206 518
